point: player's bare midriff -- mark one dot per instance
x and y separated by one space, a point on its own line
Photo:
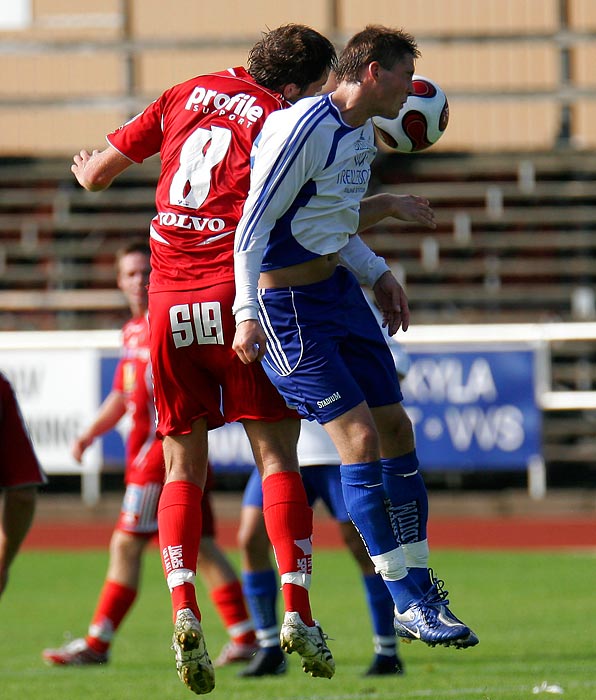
310 272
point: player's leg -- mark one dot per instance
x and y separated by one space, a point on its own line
380 607
355 437
136 524
288 520
189 378
224 590
322 384
324 482
404 486
180 524
368 489
226 594
260 583
20 474
17 515
408 497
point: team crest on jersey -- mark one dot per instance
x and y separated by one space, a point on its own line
362 148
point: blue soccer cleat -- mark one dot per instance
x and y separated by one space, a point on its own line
437 595
424 622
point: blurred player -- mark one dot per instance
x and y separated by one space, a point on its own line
319 466
298 265
203 130
20 476
132 394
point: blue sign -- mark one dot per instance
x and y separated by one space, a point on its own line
473 409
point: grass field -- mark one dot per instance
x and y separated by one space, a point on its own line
535 615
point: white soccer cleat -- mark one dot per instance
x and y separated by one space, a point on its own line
74 653
309 643
233 652
192 660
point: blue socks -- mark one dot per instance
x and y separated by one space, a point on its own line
364 494
260 590
407 493
380 606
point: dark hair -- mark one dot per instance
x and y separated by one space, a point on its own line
374 43
135 246
292 53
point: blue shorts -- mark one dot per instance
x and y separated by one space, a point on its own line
325 350
321 482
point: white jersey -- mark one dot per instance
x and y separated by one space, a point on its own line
310 171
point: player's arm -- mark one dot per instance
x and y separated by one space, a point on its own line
405 207
107 417
96 171
372 270
274 185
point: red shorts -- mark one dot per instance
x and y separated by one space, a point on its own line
146 466
138 513
18 463
196 374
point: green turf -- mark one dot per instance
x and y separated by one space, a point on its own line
534 612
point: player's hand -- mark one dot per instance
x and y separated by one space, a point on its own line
80 163
411 207
78 448
392 302
250 342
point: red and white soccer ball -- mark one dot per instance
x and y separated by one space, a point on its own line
421 121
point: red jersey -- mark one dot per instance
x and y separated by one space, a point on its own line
204 130
133 378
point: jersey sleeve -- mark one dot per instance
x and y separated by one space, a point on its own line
362 261
118 380
141 136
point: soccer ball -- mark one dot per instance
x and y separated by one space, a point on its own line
420 122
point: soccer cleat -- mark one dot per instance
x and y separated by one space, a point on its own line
75 653
268 661
309 643
437 596
193 664
425 622
385 666
233 652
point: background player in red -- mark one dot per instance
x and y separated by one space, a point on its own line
132 394
204 130
20 476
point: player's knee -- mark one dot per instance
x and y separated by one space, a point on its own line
126 545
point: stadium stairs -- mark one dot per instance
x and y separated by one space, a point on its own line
515 242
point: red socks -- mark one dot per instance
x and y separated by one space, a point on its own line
229 601
179 520
114 602
288 519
